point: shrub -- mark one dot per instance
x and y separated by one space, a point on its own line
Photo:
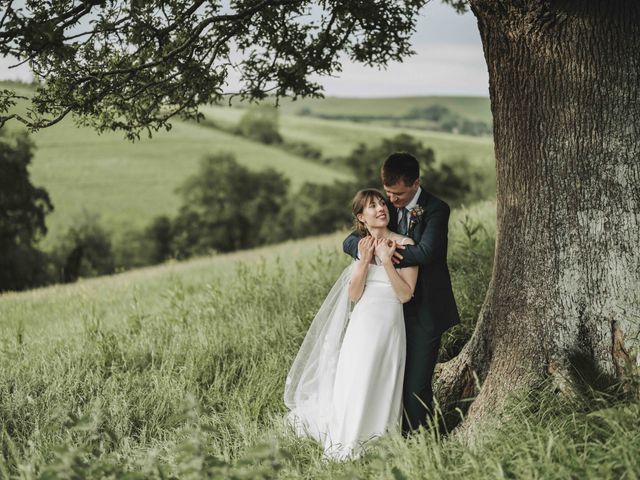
449 121
443 180
227 207
160 235
85 250
303 149
260 123
23 208
435 113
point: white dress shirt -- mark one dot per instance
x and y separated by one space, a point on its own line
409 206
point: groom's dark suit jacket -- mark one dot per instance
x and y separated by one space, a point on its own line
433 305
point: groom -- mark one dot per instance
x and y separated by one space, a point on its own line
423 217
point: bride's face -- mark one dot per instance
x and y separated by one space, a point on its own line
375 213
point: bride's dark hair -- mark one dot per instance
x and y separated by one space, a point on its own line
362 198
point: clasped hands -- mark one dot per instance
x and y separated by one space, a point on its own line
384 248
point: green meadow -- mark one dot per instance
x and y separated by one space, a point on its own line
127 184
339 137
177 371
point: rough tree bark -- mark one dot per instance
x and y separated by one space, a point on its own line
565 290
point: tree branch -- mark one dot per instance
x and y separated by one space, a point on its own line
97 31
196 34
133 59
6 13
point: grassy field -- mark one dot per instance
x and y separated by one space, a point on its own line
339 138
179 370
128 184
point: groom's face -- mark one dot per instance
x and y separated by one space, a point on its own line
400 194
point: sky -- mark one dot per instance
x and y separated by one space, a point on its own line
448 61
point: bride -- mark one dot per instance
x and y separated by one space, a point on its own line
345 385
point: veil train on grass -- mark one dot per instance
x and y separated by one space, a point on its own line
308 390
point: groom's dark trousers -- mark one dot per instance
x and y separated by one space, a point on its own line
431 311
417 390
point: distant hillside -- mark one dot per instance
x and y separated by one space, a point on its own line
338 138
130 183
474 108
459 115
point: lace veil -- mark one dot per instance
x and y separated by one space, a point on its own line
308 390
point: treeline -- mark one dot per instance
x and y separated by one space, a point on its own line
225 207
437 117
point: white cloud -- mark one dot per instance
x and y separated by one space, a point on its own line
435 70
449 61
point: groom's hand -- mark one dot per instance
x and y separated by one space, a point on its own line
397 256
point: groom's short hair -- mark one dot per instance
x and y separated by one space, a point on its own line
400 166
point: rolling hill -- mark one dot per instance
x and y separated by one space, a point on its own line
127 184
473 108
339 138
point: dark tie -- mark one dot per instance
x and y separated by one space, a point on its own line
404 221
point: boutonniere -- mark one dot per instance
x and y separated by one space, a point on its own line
415 215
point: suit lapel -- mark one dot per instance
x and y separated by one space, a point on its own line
419 228
393 217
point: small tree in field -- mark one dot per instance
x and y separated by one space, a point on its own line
261 124
227 207
85 250
23 208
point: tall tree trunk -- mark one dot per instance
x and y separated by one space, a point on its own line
565 291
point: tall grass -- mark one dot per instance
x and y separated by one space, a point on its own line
178 372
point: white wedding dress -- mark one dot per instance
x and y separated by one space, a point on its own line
345 386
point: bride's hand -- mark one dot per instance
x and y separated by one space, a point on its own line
385 248
366 247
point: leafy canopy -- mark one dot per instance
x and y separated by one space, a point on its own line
133 65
